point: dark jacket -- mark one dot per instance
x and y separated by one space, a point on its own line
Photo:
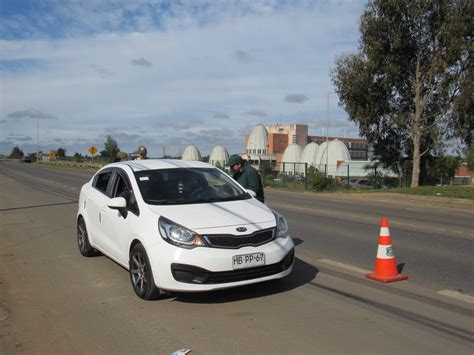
250 179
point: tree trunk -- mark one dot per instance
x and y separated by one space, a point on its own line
416 129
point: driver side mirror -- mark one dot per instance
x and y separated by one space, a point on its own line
117 203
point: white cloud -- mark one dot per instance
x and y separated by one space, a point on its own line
296 98
242 56
30 113
256 112
141 62
18 137
221 116
101 71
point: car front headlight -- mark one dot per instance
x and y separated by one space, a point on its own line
178 235
281 225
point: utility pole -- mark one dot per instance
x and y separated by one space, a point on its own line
327 132
37 139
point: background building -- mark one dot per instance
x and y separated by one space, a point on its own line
358 147
219 156
269 142
191 152
278 137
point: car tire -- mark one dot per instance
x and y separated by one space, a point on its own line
141 274
83 243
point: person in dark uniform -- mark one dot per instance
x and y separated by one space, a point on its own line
246 176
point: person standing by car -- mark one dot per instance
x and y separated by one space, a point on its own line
142 153
121 156
246 176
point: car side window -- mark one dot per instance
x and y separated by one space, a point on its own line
122 189
102 180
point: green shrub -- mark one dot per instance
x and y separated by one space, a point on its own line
318 181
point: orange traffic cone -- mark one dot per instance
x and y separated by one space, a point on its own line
385 264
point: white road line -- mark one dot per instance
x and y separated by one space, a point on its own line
448 293
457 295
344 266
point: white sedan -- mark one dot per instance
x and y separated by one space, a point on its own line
181 226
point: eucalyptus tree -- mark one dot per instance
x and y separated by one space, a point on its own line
409 86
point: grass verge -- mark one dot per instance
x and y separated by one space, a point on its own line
70 165
465 192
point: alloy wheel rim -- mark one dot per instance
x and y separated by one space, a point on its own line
138 271
81 236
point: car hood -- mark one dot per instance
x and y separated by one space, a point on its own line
220 214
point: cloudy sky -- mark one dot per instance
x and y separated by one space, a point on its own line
168 73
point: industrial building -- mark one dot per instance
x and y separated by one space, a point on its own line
290 150
287 148
272 140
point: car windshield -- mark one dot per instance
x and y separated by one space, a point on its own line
187 186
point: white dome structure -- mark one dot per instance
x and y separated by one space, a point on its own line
191 152
330 154
219 156
258 140
292 154
321 154
309 154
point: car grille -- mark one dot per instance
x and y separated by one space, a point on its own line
195 275
229 241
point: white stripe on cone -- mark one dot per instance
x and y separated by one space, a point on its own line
384 232
385 252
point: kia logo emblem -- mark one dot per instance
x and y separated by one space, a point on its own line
241 229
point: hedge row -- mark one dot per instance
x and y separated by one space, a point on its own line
66 164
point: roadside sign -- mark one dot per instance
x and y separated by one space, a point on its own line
93 150
52 155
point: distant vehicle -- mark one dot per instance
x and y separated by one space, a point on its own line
25 160
364 184
361 184
293 178
181 226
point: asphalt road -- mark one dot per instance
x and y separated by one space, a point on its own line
433 240
52 300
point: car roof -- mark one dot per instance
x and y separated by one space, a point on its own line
153 164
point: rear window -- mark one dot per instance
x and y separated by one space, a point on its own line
187 186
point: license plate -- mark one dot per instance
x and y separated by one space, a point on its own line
248 260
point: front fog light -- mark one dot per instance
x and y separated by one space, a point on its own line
281 225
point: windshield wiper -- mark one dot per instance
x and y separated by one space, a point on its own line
199 200
221 199
158 202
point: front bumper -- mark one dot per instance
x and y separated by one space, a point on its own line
206 269
195 275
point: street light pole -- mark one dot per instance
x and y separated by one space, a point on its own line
37 139
327 132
